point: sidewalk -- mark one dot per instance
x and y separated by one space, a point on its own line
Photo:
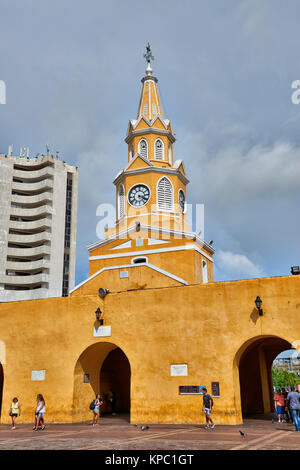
115 433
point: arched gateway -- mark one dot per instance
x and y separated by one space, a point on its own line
252 373
100 368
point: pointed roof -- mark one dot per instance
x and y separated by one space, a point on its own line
150 109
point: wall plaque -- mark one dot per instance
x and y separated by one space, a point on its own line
38 375
215 389
179 370
123 274
100 331
191 389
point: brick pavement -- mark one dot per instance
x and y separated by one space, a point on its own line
115 433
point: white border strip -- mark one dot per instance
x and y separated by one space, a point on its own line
151 266
158 250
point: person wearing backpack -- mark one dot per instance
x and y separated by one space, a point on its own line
95 407
207 407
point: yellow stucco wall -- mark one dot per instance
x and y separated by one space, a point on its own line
203 326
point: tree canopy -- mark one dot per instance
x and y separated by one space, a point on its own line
284 378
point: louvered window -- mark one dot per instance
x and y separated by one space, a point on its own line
170 154
143 148
154 109
159 147
165 197
131 152
121 201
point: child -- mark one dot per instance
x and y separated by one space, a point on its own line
39 413
15 410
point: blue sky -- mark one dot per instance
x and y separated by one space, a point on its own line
72 71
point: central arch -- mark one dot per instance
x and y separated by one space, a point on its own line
252 374
101 367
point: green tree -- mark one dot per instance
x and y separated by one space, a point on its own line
284 378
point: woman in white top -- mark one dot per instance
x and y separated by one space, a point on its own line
39 413
14 412
96 410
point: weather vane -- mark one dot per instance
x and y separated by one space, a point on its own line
148 56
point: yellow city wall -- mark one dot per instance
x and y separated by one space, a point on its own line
203 326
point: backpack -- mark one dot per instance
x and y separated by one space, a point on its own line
210 398
92 405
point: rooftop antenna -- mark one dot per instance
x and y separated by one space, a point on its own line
57 155
10 150
47 149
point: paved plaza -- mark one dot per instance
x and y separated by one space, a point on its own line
115 433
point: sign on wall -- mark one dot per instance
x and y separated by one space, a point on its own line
38 375
191 389
215 389
179 370
100 331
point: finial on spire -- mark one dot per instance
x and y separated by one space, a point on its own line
148 56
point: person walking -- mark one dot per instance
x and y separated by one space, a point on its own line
207 408
14 412
279 405
293 399
39 413
113 400
96 410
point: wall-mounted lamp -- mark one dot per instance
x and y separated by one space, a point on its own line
98 315
295 270
258 303
103 292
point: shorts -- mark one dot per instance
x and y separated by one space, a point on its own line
14 414
96 410
207 411
280 410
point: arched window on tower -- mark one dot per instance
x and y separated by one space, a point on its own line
170 154
143 148
165 195
131 152
159 150
121 202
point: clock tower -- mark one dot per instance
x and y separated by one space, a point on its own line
151 226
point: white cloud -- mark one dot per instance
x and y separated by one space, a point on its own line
231 266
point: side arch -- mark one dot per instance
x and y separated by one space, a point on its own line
252 373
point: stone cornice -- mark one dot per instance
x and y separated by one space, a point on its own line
151 229
150 130
152 169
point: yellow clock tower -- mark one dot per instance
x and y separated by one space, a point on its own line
151 226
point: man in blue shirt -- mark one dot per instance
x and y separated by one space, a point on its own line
293 399
207 406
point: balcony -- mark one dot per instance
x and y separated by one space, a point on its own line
32 188
32 226
29 253
32 201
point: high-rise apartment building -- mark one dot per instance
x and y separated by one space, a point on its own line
38 216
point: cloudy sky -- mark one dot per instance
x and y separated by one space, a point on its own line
225 68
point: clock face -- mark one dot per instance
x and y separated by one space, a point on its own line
139 195
182 200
